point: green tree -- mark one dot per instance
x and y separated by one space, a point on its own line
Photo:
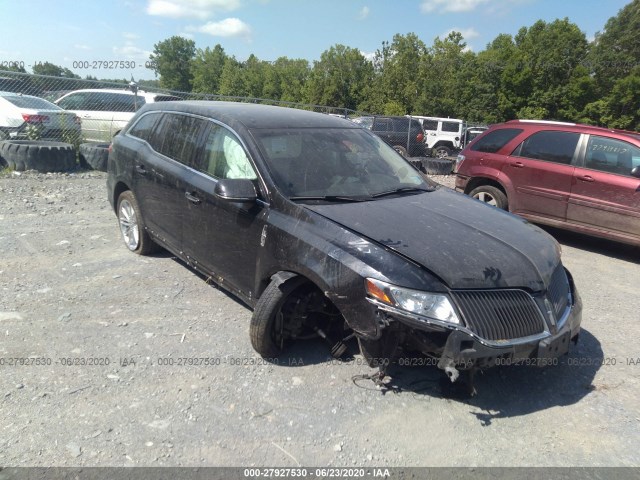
171 60
285 79
232 78
253 73
400 67
616 50
443 82
546 67
13 67
207 69
339 78
53 70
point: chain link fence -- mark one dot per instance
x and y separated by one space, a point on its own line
94 110
77 111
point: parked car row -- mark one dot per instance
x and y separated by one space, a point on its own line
421 136
96 114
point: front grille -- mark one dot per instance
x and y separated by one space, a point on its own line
559 291
499 314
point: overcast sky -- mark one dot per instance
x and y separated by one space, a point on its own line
67 32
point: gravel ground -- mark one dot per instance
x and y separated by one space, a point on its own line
70 293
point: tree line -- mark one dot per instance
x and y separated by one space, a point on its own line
547 71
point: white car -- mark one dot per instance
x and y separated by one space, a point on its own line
443 135
26 116
104 112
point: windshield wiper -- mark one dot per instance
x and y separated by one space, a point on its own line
402 190
330 198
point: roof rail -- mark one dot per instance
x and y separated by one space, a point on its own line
550 122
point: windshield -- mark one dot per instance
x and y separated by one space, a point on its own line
335 162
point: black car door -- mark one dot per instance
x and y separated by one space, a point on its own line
220 236
160 174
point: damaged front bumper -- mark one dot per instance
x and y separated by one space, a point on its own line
457 348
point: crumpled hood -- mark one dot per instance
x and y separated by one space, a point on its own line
464 242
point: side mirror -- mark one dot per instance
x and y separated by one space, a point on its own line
635 172
236 190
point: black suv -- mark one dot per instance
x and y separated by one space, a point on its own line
324 230
404 134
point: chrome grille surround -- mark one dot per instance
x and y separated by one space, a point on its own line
500 315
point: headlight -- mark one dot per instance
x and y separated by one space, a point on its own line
432 305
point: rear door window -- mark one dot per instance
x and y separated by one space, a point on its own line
495 140
611 155
430 124
550 146
178 137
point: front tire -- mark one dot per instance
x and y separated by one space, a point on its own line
267 322
490 195
134 235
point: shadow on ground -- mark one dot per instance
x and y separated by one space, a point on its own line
609 248
511 391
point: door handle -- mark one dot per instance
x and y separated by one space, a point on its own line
141 170
586 178
192 198
517 164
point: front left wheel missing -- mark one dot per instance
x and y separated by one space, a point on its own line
132 229
291 308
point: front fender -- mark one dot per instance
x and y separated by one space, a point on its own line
337 261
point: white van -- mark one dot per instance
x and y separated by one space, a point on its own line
104 112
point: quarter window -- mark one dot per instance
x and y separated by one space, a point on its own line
143 128
495 140
611 155
452 127
551 146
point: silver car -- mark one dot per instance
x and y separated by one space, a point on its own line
104 112
26 116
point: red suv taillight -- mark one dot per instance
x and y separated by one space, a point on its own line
27 117
419 138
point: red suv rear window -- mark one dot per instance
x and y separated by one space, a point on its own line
494 140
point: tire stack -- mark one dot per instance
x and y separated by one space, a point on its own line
433 166
94 155
21 155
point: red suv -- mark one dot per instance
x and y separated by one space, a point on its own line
566 175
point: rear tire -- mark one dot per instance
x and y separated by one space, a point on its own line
441 152
490 195
134 234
